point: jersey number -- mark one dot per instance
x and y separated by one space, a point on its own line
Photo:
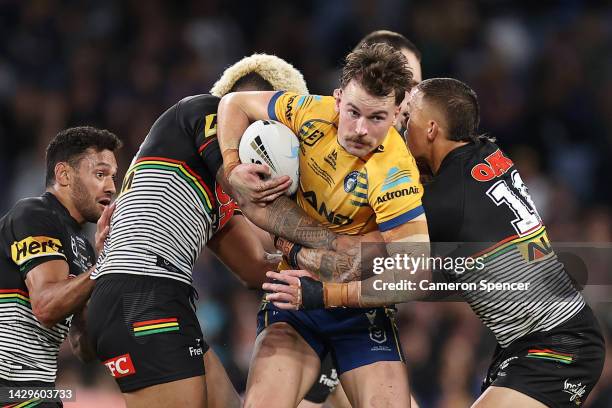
526 215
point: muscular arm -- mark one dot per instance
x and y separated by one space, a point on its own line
53 296
283 218
236 111
239 248
409 240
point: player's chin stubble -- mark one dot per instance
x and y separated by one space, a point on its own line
84 202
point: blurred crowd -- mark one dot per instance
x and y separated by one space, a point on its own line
543 74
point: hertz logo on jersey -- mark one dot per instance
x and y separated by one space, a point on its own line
34 247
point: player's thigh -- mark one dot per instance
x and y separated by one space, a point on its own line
384 383
220 391
338 398
283 368
502 397
189 392
325 384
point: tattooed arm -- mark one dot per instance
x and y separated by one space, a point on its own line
409 240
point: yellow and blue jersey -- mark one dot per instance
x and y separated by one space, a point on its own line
348 194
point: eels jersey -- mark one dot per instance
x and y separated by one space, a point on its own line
169 205
36 230
348 194
479 201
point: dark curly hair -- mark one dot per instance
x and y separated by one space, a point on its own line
70 145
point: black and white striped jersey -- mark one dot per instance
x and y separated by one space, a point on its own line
169 205
34 231
479 201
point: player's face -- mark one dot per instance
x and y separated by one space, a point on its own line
415 66
364 119
416 124
94 184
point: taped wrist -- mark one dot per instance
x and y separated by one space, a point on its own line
335 294
231 159
312 294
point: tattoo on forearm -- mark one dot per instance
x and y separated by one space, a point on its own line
331 266
286 219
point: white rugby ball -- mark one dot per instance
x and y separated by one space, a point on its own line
274 144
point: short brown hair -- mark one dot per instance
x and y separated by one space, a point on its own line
459 104
380 69
396 40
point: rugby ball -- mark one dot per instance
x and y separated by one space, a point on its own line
274 144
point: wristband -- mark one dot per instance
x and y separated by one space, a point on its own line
312 294
293 253
335 294
284 246
231 159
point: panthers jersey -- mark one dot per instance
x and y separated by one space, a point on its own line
35 231
170 204
348 194
479 200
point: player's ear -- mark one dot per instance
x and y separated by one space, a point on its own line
432 130
338 97
63 173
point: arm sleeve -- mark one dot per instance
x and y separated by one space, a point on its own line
197 116
294 110
36 238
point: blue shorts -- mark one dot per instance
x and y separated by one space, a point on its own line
355 337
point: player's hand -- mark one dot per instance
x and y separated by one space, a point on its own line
286 295
252 183
103 227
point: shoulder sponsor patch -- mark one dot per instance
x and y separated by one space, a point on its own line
390 195
396 177
35 247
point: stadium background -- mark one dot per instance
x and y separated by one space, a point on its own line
543 73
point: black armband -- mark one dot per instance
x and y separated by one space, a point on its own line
312 294
292 258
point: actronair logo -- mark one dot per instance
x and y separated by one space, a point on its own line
390 195
259 148
395 177
34 247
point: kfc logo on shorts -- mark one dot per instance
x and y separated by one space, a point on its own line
120 366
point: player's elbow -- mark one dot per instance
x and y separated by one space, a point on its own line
44 314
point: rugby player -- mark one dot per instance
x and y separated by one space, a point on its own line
410 52
351 158
328 384
550 349
47 259
142 324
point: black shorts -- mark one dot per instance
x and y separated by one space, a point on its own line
145 330
325 384
6 386
559 367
